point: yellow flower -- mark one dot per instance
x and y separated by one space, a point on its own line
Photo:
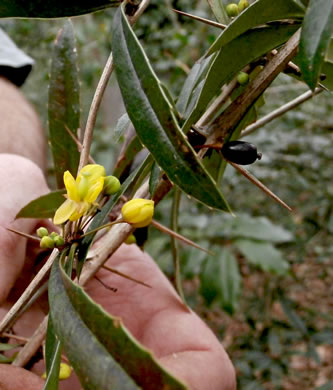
81 193
138 212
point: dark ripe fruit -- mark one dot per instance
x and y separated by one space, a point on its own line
240 152
195 138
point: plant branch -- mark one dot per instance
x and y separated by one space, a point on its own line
203 20
228 120
97 99
14 311
258 183
178 236
280 111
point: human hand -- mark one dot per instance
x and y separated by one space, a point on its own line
22 181
159 320
155 316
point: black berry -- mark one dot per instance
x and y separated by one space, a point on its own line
240 152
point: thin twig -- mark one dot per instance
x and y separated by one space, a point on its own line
113 289
14 311
97 99
203 20
25 235
115 271
258 183
280 111
228 120
91 121
32 345
217 104
15 337
179 237
78 144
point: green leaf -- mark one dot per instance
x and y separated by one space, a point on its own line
259 228
154 178
121 126
196 75
219 11
316 34
64 104
53 350
258 13
263 255
5 359
8 347
43 207
221 280
249 47
295 320
91 361
52 8
153 118
134 358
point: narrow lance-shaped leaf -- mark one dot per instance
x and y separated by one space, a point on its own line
43 207
52 8
316 34
92 363
52 357
134 358
249 47
258 13
153 119
64 104
219 11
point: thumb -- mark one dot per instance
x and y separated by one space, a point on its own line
22 181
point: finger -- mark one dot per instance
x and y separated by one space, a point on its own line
16 378
22 182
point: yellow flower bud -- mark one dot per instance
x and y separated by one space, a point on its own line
41 232
111 185
130 239
65 371
46 242
138 212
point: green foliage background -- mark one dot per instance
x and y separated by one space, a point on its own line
279 328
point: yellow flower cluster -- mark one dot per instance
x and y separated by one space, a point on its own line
82 192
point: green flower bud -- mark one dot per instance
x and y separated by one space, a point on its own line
232 9
42 231
242 5
111 185
46 242
243 78
53 235
130 239
58 241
